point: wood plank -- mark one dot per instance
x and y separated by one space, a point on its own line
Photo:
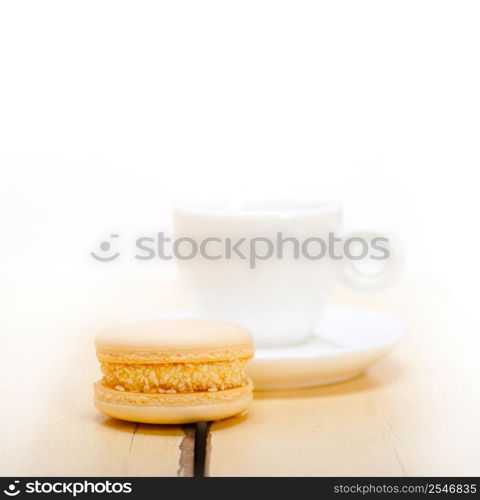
414 413
49 425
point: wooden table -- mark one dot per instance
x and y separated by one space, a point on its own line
414 413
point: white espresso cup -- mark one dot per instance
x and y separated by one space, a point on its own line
279 296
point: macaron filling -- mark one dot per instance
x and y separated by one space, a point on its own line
175 377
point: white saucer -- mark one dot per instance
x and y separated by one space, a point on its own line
347 342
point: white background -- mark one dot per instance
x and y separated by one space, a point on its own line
109 110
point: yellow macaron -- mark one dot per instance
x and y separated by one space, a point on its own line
173 371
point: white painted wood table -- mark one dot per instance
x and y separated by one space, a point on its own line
414 413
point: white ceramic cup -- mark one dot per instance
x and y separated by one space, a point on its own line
282 298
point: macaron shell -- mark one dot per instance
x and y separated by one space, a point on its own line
172 334
175 356
174 414
173 340
173 408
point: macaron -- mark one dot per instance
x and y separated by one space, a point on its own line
173 371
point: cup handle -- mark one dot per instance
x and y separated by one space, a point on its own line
357 279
